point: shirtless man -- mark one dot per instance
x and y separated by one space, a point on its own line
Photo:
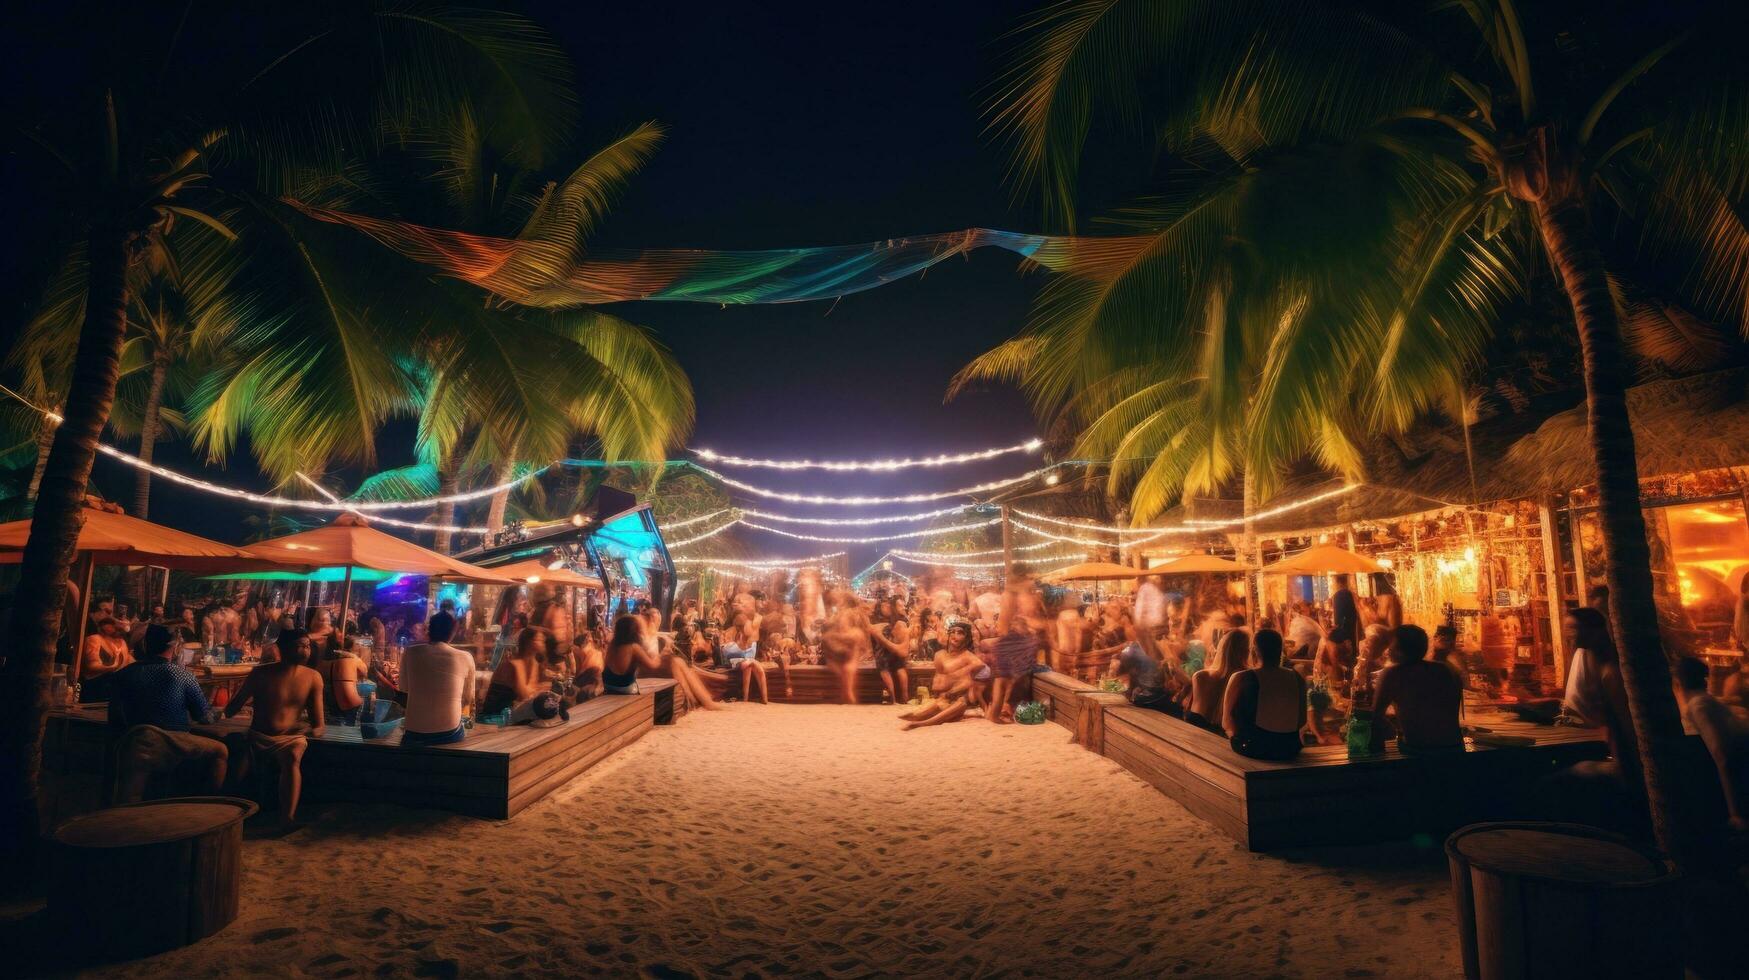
280 691
954 667
553 615
225 622
1426 697
843 643
893 644
776 642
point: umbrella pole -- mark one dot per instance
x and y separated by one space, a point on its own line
345 604
84 616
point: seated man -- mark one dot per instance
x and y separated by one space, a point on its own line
280 692
152 701
439 683
1146 680
1724 734
1423 698
953 686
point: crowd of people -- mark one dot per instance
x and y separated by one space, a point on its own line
1268 686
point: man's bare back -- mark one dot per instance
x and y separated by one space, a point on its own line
1426 697
280 691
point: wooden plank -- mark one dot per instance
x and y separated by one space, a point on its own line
1137 752
533 794
524 774
569 735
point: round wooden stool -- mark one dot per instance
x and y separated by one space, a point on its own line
1555 899
135 880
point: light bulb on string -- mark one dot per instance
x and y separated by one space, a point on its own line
932 532
864 501
879 466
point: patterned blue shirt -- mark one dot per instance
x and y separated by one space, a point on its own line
157 692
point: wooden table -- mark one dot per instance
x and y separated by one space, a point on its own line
151 876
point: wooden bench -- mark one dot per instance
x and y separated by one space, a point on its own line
1322 797
494 772
1061 695
814 683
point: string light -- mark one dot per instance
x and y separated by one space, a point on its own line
272 500
858 521
871 540
911 498
1094 542
713 532
1089 526
769 562
881 465
973 554
1276 511
676 525
396 522
909 556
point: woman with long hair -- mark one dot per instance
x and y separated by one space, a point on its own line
517 677
1208 688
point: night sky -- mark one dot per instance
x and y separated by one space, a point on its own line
794 124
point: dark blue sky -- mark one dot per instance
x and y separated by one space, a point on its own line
794 124
797 124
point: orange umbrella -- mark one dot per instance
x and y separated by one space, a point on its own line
1324 559
352 543
534 570
1186 564
111 538
1095 571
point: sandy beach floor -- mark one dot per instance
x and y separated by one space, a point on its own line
804 840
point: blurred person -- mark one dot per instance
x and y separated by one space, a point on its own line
893 645
1208 686
1724 733
1016 645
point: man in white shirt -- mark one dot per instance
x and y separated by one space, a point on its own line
439 682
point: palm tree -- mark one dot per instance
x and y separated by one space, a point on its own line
155 135
1505 140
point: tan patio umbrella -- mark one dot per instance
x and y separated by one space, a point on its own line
1187 564
1096 571
350 542
1324 559
111 537
534 570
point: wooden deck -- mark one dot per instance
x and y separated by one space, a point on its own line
1321 797
494 772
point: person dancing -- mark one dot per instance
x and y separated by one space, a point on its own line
1016 643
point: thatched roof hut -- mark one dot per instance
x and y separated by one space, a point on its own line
1681 425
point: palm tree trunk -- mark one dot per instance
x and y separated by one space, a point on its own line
446 485
149 428
48 554
1573 251
45 440
501 499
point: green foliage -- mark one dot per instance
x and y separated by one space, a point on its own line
1329 233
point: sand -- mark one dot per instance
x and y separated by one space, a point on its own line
782 840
